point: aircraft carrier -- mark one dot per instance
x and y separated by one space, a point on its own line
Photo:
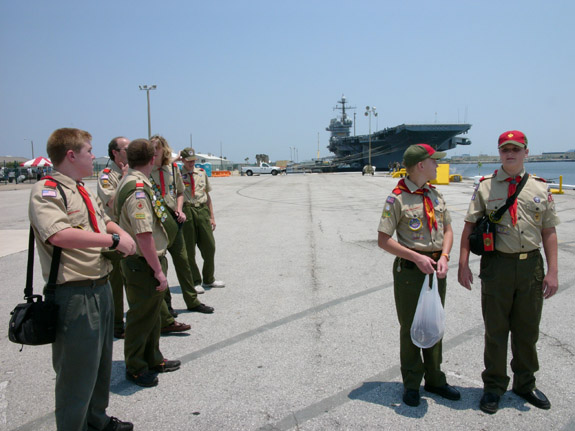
387 145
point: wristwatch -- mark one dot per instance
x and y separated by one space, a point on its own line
446 256
116 241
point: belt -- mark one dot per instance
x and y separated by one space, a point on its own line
435 255
189 204
85 283
520 256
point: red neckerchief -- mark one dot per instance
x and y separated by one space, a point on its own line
193 187
513 181
162 184
427 204
85 196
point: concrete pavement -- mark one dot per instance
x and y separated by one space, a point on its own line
305 334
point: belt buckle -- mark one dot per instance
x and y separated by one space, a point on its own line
523 256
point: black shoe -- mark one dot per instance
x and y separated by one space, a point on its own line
202 308
119 333
172 311
411 397
166 366
445 391
117 425
147 379
489 403
536 398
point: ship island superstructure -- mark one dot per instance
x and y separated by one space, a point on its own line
387 145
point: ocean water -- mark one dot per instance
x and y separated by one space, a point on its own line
548 170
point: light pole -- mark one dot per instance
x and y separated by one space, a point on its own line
369 110
32 144
147 89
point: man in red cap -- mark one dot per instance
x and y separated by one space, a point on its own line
417 212
513 279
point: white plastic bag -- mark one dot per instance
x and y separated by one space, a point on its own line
429 320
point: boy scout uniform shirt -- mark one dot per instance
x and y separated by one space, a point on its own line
108 180
535 211
138 216
406 214
49 215
170 194
202 187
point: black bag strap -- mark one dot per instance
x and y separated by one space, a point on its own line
56 254
499 213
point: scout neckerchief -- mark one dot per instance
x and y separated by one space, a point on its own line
427 204
193 186
89 205
514 184
91 212
162 184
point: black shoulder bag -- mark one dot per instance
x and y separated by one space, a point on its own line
34 322
482 239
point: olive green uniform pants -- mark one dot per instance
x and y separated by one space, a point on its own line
142 342
180 258
407 283
511 302
82 355
198 231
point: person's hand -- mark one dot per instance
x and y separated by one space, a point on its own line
181 217
550 285
213 223
442 267
161 277
124 168
464 276
127 245
425 264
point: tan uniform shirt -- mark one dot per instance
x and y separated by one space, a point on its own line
49 215
171 188
405 214
535 211
137 215
108 180
202 187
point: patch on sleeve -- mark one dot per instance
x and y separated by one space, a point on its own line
140 195
49 193
140 216
390 200
104 177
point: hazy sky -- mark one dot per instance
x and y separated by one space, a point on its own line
263 76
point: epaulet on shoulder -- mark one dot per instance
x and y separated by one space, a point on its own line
175 165
487 177
535 177
106 170
50 183
202 169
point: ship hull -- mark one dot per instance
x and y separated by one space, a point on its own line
388 145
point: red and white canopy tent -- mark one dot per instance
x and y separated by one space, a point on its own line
38 162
